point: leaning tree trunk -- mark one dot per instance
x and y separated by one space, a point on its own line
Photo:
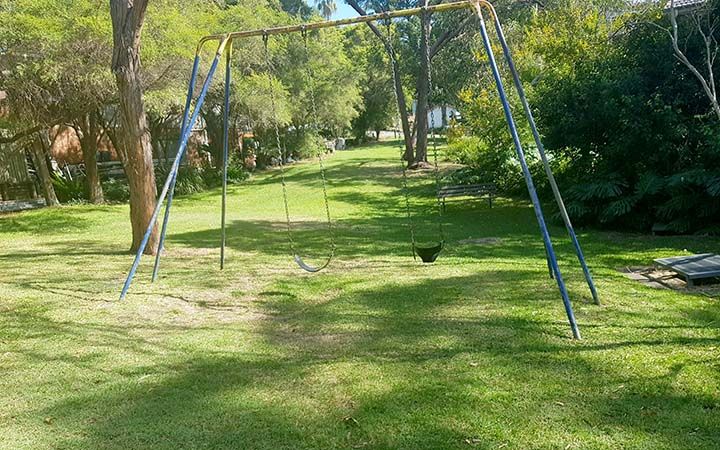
37 151
423 92
134 136
397 81
89 138
402 109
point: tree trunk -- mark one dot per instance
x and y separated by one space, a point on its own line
402 109
423 92
89 137
397 82
711 50
110 129
133 135
37 151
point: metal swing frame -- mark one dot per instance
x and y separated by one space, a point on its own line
479 7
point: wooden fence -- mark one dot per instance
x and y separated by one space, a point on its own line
16 183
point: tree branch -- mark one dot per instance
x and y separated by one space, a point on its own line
449 35
28 132
152 84
680 55
385 40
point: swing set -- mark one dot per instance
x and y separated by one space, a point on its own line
427 254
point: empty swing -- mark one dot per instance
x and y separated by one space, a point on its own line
281 156
428 253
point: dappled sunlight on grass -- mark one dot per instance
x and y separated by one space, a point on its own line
378 351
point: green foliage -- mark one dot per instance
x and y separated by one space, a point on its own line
254 95
55 62
683 202
483 142
636 128
69 190
322 68
305 145
626 127
116 191
378 107
236 172
192 179
486 163
58 52
326 8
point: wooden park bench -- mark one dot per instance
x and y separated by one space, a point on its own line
468 190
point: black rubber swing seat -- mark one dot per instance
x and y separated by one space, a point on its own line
428 255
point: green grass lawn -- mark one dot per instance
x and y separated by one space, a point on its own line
377 352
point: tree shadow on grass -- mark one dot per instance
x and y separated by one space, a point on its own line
581 384
416 365
65 248
50 220
382 231
345 172
400 356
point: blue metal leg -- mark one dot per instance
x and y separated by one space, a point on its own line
549 264
171 192
226 145
173 170
528 178
541 149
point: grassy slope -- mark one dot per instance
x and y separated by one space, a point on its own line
376 352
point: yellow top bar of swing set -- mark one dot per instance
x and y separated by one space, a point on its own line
227 37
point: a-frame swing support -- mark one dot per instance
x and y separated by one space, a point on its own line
225 48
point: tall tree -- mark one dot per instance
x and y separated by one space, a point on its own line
387 42
701 18
378 107
326 8
435 34
89 131
39 147
128 17
46 86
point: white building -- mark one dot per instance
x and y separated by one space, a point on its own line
435 115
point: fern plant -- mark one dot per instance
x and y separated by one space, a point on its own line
684 202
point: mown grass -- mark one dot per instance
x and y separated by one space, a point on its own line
376 352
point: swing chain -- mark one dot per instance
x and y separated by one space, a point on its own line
273 109
433 135
316 125
405 189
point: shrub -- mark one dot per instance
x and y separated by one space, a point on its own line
116 191
236 171
455 131
306 145
631 137
641 146
189 181
684 202
192 179
485 164
69 190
